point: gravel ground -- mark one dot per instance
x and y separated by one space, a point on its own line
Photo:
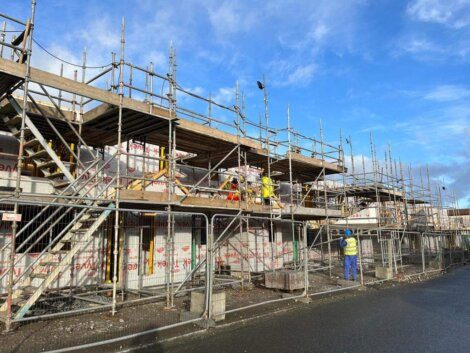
91 327
431 316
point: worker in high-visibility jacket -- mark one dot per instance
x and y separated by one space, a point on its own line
267 189
234 194
349 246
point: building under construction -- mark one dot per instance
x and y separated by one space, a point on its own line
121 187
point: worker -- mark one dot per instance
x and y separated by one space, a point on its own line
267 189
350 254
233 195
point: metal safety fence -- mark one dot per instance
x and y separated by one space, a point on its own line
154 270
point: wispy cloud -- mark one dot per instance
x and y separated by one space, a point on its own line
438 31
424 48
229 17
451 13
421 45
455 176
224 95
99 33
447 93
291 74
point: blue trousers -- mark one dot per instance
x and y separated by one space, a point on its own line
350 263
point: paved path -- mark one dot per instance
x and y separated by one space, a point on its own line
432 316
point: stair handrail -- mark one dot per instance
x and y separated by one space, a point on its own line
23 229
49 228
65 230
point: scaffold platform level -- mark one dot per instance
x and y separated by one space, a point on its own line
144 119
377 191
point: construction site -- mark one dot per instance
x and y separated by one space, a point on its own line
121 191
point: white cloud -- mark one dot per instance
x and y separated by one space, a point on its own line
287 73
456 177
231 17
200 91
100 33
446 93
421 40
362 163
420 45
422 48
42 60
302 75
438 127
319 32
158 58
224 95
451 13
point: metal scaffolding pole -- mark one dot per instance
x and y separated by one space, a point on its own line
27 43
118 171
170 239
291 185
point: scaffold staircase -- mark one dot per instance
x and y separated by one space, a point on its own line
37 149
56 261
76 217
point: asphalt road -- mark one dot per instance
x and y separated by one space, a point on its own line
431 316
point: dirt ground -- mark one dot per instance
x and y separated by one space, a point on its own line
68 331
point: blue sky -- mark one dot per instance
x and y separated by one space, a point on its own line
400 69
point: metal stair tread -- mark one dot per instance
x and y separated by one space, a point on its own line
91 218
31 143
49 262
13 121
39 275
39 154
79 230
28 289
27 132
55 175
71 240
47 164
61 184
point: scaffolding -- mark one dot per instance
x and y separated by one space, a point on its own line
166 198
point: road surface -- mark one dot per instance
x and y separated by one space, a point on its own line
432 316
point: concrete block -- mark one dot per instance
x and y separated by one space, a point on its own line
383 272
274 279
294 280
218 304
284 279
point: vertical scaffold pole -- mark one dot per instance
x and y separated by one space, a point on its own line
209 269
169 241
14 227
359 251
268 149
325 196
118 170
423 256
291 201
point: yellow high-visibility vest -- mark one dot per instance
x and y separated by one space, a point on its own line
351 246
267 188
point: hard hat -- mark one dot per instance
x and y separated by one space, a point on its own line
348 232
